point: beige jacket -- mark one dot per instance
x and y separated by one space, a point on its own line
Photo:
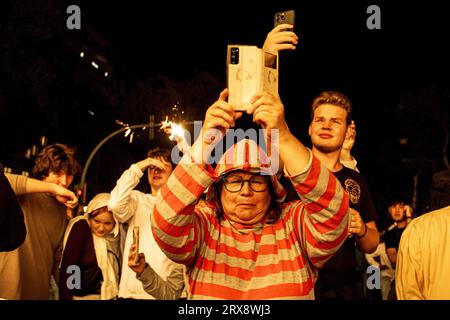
423 261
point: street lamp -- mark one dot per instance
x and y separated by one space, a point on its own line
100 144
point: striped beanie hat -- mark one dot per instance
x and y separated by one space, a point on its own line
248 156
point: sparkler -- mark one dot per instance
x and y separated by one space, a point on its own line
174 130
128 131
176 133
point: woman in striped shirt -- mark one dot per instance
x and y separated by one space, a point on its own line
243 242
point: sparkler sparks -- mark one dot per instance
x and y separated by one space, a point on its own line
174 130
128 131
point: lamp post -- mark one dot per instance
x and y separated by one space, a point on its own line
101 143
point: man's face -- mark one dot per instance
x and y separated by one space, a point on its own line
60 178
245 206
157 177
328 128
397 211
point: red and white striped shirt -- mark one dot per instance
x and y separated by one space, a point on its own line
227 260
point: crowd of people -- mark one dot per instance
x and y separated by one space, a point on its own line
240 228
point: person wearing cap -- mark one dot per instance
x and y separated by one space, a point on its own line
133 208
91 248
244 242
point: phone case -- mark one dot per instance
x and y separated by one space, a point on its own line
248 72
136 241
284 17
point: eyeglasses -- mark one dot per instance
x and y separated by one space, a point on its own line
235 183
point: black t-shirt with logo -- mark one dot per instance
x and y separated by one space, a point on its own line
344 260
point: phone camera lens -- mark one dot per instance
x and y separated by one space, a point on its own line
280 17
234 56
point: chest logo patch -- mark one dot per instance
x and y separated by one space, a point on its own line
353 189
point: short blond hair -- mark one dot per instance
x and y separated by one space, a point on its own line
334 98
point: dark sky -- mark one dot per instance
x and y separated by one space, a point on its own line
375 68
177 38
336 51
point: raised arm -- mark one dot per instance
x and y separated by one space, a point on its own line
153 284
178 223
23 185
123 201
278 40
346 157
268 111
321 219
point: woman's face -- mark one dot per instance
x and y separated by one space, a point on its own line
246 206
103 223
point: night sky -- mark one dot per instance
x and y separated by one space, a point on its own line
391 75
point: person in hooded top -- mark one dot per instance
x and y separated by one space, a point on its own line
243 242
90 265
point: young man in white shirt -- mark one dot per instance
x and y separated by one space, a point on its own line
134 208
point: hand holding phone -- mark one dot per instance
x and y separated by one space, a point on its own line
408 212
285 17
282 36
138 266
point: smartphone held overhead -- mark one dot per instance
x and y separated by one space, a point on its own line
285 17
249 71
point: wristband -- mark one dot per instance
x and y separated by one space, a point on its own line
364 234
